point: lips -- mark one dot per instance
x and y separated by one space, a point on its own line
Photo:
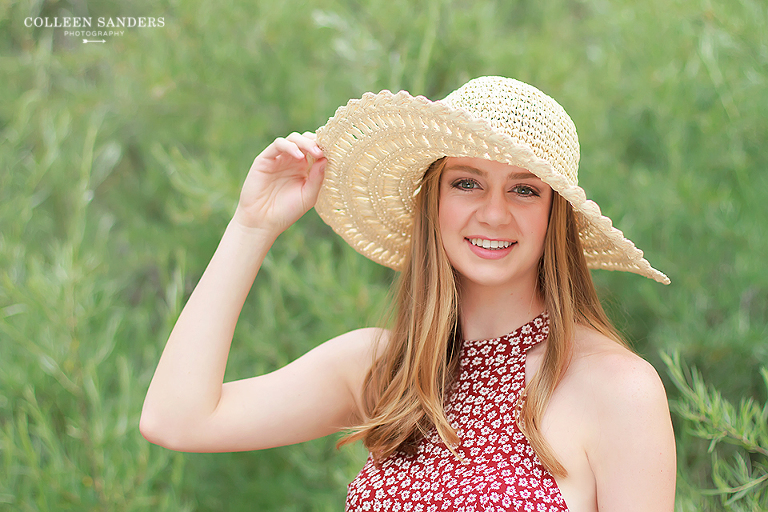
490 249
490 244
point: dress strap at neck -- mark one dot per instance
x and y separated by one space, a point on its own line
521 339
530 333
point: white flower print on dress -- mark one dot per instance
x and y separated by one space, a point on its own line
500 471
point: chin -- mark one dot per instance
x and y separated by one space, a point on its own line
498 280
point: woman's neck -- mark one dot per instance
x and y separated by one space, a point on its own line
490 312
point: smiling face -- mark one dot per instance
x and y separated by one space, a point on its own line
493 219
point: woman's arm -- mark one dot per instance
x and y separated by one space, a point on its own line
187 406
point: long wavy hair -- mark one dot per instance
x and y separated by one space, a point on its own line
405 389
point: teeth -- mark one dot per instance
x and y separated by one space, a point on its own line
490 244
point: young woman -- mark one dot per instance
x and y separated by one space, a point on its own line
501 384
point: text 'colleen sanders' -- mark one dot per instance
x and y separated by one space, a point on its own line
101 22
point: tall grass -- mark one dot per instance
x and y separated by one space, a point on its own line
120 165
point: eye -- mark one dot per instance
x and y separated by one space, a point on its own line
465 184
525 190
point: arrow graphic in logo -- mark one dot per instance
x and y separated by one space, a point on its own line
99 41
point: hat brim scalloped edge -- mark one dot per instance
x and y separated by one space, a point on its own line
419 131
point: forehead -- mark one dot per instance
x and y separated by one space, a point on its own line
482 167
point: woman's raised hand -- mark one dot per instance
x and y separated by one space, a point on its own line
188 407
282 184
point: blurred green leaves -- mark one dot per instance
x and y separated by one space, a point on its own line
69 402
738 440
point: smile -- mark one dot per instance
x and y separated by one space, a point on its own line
490 244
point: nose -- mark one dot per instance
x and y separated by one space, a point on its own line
494 209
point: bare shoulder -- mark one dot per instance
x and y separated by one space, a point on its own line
352 355
615 377
628 438
359 347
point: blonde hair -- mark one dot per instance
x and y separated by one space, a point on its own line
405 389
570 298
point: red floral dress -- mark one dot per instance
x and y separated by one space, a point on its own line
501 471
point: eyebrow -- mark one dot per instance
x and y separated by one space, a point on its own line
520 175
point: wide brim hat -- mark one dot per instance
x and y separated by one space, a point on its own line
379 146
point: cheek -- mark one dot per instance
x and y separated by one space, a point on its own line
452 216
446 213
537 223
542 220
543 232
443 219
451 220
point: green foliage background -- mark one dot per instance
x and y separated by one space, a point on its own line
120 165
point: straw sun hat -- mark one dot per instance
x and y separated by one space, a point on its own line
378 148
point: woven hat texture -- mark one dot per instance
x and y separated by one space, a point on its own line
379 146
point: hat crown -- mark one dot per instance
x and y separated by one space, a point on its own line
528 116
